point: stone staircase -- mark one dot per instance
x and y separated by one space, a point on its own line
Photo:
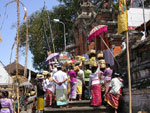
77 107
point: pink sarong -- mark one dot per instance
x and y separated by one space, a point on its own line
73 93
96 95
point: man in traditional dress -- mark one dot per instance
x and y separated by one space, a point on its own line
60 78
113 94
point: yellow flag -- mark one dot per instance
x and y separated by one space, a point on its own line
0 39
122 17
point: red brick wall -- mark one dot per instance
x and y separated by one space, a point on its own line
117 50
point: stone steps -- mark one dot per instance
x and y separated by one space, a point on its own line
77 107
79 103
82 109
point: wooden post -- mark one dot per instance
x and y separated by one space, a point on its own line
129 74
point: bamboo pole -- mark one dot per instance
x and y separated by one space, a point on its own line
50 29
17 91
129 74
110 51
17 44
18 30
17 51
11 56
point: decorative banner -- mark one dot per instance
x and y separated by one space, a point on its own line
25 10
122 17
10 3
25 15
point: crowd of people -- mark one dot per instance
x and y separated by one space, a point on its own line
78 80
9 102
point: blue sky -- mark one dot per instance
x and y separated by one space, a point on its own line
8 32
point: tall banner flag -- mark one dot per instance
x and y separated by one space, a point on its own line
122 17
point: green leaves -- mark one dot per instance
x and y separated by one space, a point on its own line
66 12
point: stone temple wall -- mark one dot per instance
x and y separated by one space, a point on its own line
140 101
139 63
140 73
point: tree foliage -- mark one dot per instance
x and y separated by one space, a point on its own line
36 41
66 12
